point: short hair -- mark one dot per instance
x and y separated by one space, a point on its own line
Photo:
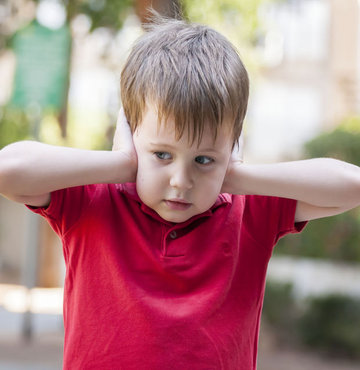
191 72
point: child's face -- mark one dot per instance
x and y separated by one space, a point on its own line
171 172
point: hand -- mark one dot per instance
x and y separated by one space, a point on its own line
235 161
123 142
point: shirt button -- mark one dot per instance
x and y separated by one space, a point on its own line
173 234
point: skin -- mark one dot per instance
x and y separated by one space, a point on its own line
175 170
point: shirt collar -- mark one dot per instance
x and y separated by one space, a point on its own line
129 189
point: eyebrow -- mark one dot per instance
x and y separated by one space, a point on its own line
171 147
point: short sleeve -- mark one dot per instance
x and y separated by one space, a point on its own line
66 207
270 218
287 224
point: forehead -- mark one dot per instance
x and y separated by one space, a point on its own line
151 130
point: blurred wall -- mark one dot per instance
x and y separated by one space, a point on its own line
13 230
12 226
344 62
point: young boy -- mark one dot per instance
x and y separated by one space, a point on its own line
167 238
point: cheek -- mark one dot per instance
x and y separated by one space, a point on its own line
219 174
212 184
143 174
149 178
142 171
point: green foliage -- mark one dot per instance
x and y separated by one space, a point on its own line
14 126
329 323
342 143
103 13
332 323
238 19
335 237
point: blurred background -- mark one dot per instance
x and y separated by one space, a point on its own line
60 63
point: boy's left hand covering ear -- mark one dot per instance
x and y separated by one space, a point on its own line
236 159
237 155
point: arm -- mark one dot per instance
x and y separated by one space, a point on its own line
30 171
323 187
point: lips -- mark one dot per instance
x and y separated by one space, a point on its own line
178 200
178 204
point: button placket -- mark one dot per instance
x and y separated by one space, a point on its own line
173 234
169 241
163 240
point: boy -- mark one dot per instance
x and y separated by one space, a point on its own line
166 254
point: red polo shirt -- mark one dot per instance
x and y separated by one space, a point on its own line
144 293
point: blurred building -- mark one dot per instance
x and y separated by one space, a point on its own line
343 61
309 81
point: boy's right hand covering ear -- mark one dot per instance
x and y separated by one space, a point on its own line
123 141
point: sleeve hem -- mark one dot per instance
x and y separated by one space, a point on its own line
47 210
293 227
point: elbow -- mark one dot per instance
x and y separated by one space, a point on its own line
9 172
353 187
11 167
357 188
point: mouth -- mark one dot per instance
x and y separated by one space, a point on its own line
178 204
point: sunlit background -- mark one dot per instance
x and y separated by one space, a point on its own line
60 64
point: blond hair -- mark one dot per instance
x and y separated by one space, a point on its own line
191 72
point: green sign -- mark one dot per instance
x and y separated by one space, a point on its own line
42 66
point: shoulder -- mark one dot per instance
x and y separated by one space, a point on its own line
264 203
259 204
66 206
265 211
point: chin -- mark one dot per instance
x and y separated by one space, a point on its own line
176 218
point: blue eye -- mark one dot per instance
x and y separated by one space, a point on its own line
203 160
163 155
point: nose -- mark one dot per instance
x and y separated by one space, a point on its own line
181 178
